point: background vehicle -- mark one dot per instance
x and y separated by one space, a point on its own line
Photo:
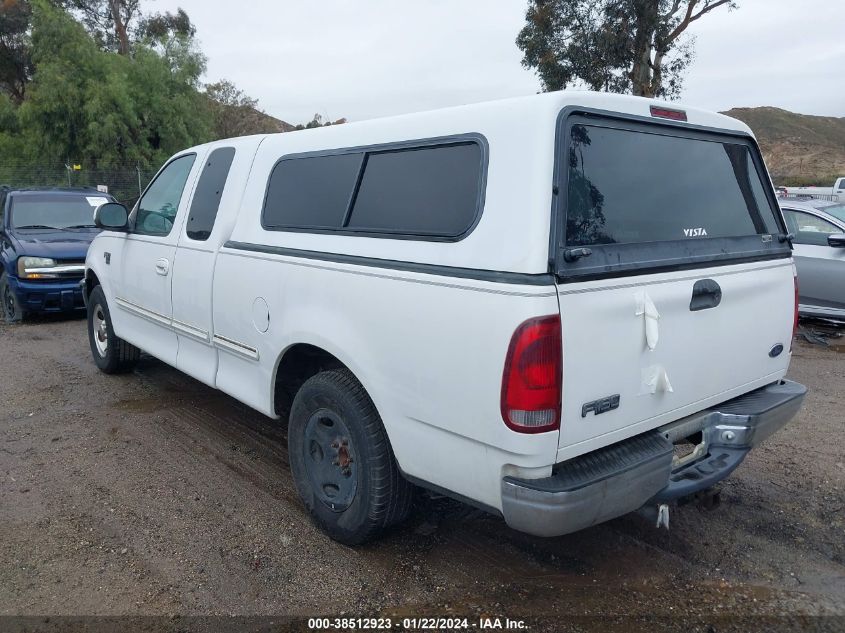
819 251
522 303
836 193
44 236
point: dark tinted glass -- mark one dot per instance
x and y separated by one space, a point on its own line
206 200
311 192
767 213
630 187
427 191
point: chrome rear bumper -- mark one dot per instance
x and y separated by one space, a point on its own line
621 478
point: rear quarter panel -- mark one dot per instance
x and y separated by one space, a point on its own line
429 350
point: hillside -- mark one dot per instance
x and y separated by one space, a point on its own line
271 123
798 148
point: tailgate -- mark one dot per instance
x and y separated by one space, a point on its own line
675 276
646 352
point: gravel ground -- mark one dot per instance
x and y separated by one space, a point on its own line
152 494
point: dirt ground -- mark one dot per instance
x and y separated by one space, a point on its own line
151 494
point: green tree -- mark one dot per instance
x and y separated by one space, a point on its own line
317 121
111 22
165 25
102 109
13 148
634 46
235 113
15 54
171 35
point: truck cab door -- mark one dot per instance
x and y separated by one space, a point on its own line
147 258
193 276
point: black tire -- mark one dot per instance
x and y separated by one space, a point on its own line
13 312
111 354
341 459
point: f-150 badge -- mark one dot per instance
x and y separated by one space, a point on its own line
600 406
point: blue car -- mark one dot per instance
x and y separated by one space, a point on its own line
44 237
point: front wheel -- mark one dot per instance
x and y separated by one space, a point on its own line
13 312
341 459
111 354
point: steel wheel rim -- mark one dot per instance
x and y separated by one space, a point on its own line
99 328
8 301
330 460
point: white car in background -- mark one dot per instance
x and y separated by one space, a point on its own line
818 229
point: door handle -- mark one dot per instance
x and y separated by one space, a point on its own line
706 293
162 266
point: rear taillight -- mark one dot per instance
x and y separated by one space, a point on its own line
795 317
531 383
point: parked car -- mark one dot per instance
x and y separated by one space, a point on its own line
44 236
523 304
819 241
836 193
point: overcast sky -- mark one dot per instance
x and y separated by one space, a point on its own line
362 59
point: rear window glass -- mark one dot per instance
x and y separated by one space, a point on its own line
311 192
631 187
431 191
56 210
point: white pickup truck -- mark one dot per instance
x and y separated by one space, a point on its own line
836 193
558 308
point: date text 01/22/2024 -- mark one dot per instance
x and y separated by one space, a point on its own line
416 624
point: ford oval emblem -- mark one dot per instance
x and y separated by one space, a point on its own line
776 350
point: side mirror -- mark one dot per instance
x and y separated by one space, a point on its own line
836 240
111 216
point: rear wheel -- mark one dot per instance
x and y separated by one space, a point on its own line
13 312
341 459
111 354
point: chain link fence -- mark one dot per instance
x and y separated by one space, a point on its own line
125 183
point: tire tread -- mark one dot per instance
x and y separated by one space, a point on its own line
121 357
391 494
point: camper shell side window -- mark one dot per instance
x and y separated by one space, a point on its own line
430 190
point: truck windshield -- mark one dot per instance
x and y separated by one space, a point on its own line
55 210
628 186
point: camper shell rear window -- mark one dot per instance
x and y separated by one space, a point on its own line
639 195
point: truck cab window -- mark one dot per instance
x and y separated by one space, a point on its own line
158 206
207 196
